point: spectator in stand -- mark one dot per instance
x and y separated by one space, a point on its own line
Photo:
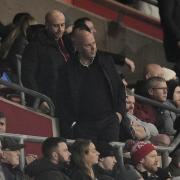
44 60
14 45
145 159
118 58
174 166
84 157
157 90
170 14
2 123
10 159
107 161
50 166
98 93
15 22
134 128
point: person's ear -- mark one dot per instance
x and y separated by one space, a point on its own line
150 91
54 155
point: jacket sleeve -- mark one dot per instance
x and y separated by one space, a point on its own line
29 72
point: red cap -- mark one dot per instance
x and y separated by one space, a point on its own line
140 150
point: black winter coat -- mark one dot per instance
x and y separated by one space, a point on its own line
169 11
43 64
43 169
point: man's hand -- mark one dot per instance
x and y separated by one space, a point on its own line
44 107
119 117
130 64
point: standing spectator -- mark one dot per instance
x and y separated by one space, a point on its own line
170 14
55 155
14 45
10 159
84 156
98 94
45 58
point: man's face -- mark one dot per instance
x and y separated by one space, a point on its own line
176 96
86 45
159 92
56 24
2 125
130 101
63 152
108 162
150 162
90 25
11 157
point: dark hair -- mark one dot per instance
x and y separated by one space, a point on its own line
18 17
80 27
151 82
81 21
172 84
78 150
2 115
49 144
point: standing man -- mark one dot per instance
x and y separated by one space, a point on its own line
97 92
170 14
45 58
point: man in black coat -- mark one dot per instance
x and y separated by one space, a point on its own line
50 167
96 92
45 58
170 14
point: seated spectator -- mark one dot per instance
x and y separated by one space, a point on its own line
84 157
107 161
174 166
174 92
145 159
157 90
168 74
2 123
55 155
139 130
10 159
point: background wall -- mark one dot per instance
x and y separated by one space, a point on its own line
137 46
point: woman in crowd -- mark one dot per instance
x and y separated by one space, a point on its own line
14 45
84 156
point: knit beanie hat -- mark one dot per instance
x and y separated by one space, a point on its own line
172 84
140 150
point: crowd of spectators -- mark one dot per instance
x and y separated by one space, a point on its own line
92 105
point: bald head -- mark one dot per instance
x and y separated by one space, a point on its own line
55 23
152 70
85 44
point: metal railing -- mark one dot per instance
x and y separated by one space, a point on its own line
38 96
38 139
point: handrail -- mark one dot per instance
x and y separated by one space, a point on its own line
32 93
123 9
153 102
152 2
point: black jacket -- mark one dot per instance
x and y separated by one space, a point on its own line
105 61
43 64
43 169
169 11
11 173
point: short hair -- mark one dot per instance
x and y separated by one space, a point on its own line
151 82
48 14
81 21
50 144
80 27
2 115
